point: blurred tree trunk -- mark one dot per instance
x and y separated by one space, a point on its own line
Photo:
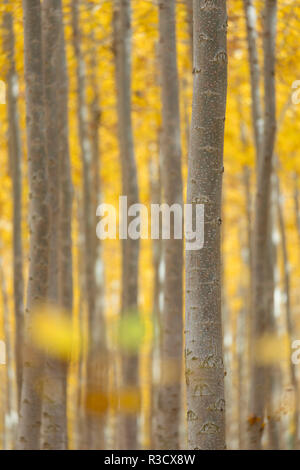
273 371
246 312
204 355
157 260
10 421
128 433
289 319
66 186
169 394
189 19
261 241
296 204
15 156
54 415
257 115
30 407
80 395
65 278
97 359
89 149
258 127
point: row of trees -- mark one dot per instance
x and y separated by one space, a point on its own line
106 417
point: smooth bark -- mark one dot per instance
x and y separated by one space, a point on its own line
257 113
157 262
30 407
97 360
54 421
289 317
261 317
10 395
189 19
15 161
128 432
89 152
169 395
204 356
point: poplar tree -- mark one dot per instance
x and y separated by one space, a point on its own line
30 406
204 357
169 396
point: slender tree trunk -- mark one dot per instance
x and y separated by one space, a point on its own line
155 191
296 204
54 422
14 147
189 19
81 390
89 152
289 319
66 186
257 115
128 434
246 312
66 202
258 127
204 355
260 322
241 371
273 371
11 399
169 395
30 407
97 360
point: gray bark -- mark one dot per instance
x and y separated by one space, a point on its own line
257 115
289 318
128 434
169 395
97 360
261 318
189 19
30 406
15 157
10 395
204 355
157 259
89 153
296 204
54 421
273 371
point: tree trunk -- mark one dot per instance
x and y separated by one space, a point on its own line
66 200
95 323
66 187
97 360
157 260
169 395
30 407
10 396
273 371
14 147
289 319
81 376
296 204
258 127
257 117
189 19
54 422
261 318
204 355
130 248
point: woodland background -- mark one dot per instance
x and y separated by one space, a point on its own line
86 350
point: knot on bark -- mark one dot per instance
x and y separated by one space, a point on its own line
221 57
